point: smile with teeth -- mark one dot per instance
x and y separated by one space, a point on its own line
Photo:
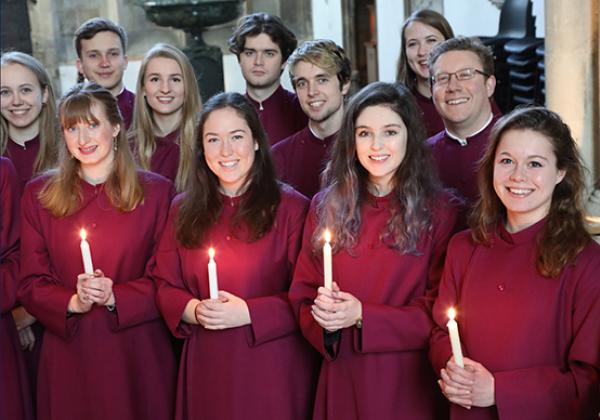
316 104
19 112
520 191
229 163
457 101
86 150
378 158
164 99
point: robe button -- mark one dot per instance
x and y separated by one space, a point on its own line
94 225
228 238
501 287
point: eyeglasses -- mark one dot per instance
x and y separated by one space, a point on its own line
442 79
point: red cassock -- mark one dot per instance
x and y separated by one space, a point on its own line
265 370
23 157
380 371
539 337
165 159
15 398
280 114
126 101
301 158
457 165
101 364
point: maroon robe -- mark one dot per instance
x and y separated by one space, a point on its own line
100 364
23 157
539 337
431 118
165 159
280 114
265 370
15 393
126 102
301 158
457 165
380 371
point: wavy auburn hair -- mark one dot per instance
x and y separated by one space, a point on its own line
62 192
564 234
345 180
203 203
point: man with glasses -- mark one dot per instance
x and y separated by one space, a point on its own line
462 85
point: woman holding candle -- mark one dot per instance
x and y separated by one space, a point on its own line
243 357
525 283
389 228
165 119
15 394
106 352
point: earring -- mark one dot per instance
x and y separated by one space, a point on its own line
115 144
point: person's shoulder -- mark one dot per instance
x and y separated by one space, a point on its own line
293 197
289 142
7 168
436 138
154 181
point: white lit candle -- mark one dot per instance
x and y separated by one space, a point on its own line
86 255
454 338
327 270
213 285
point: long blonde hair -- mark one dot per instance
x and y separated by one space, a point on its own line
143 127
62 193
49 133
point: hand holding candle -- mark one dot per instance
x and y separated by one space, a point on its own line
455 338
86 255
327 269
212 275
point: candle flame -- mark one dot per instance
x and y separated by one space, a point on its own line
452 313
83 234
211 252
327 236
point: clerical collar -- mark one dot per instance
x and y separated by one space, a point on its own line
313 132
463 142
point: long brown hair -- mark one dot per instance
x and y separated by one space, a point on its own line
49 133
62 192
404 74
202 205
346 180
564 234
143 128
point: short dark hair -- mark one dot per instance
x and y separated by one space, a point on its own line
463 43
91 27
324 54
263 23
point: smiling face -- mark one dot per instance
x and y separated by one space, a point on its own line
21 99
164 86
419 39
261 62
91 143
103 60
318 91
463 105
525 175
381 137
229 149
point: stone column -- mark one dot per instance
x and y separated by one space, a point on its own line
573 80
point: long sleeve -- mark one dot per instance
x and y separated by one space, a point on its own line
569 390
9 235
172 295
272 316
